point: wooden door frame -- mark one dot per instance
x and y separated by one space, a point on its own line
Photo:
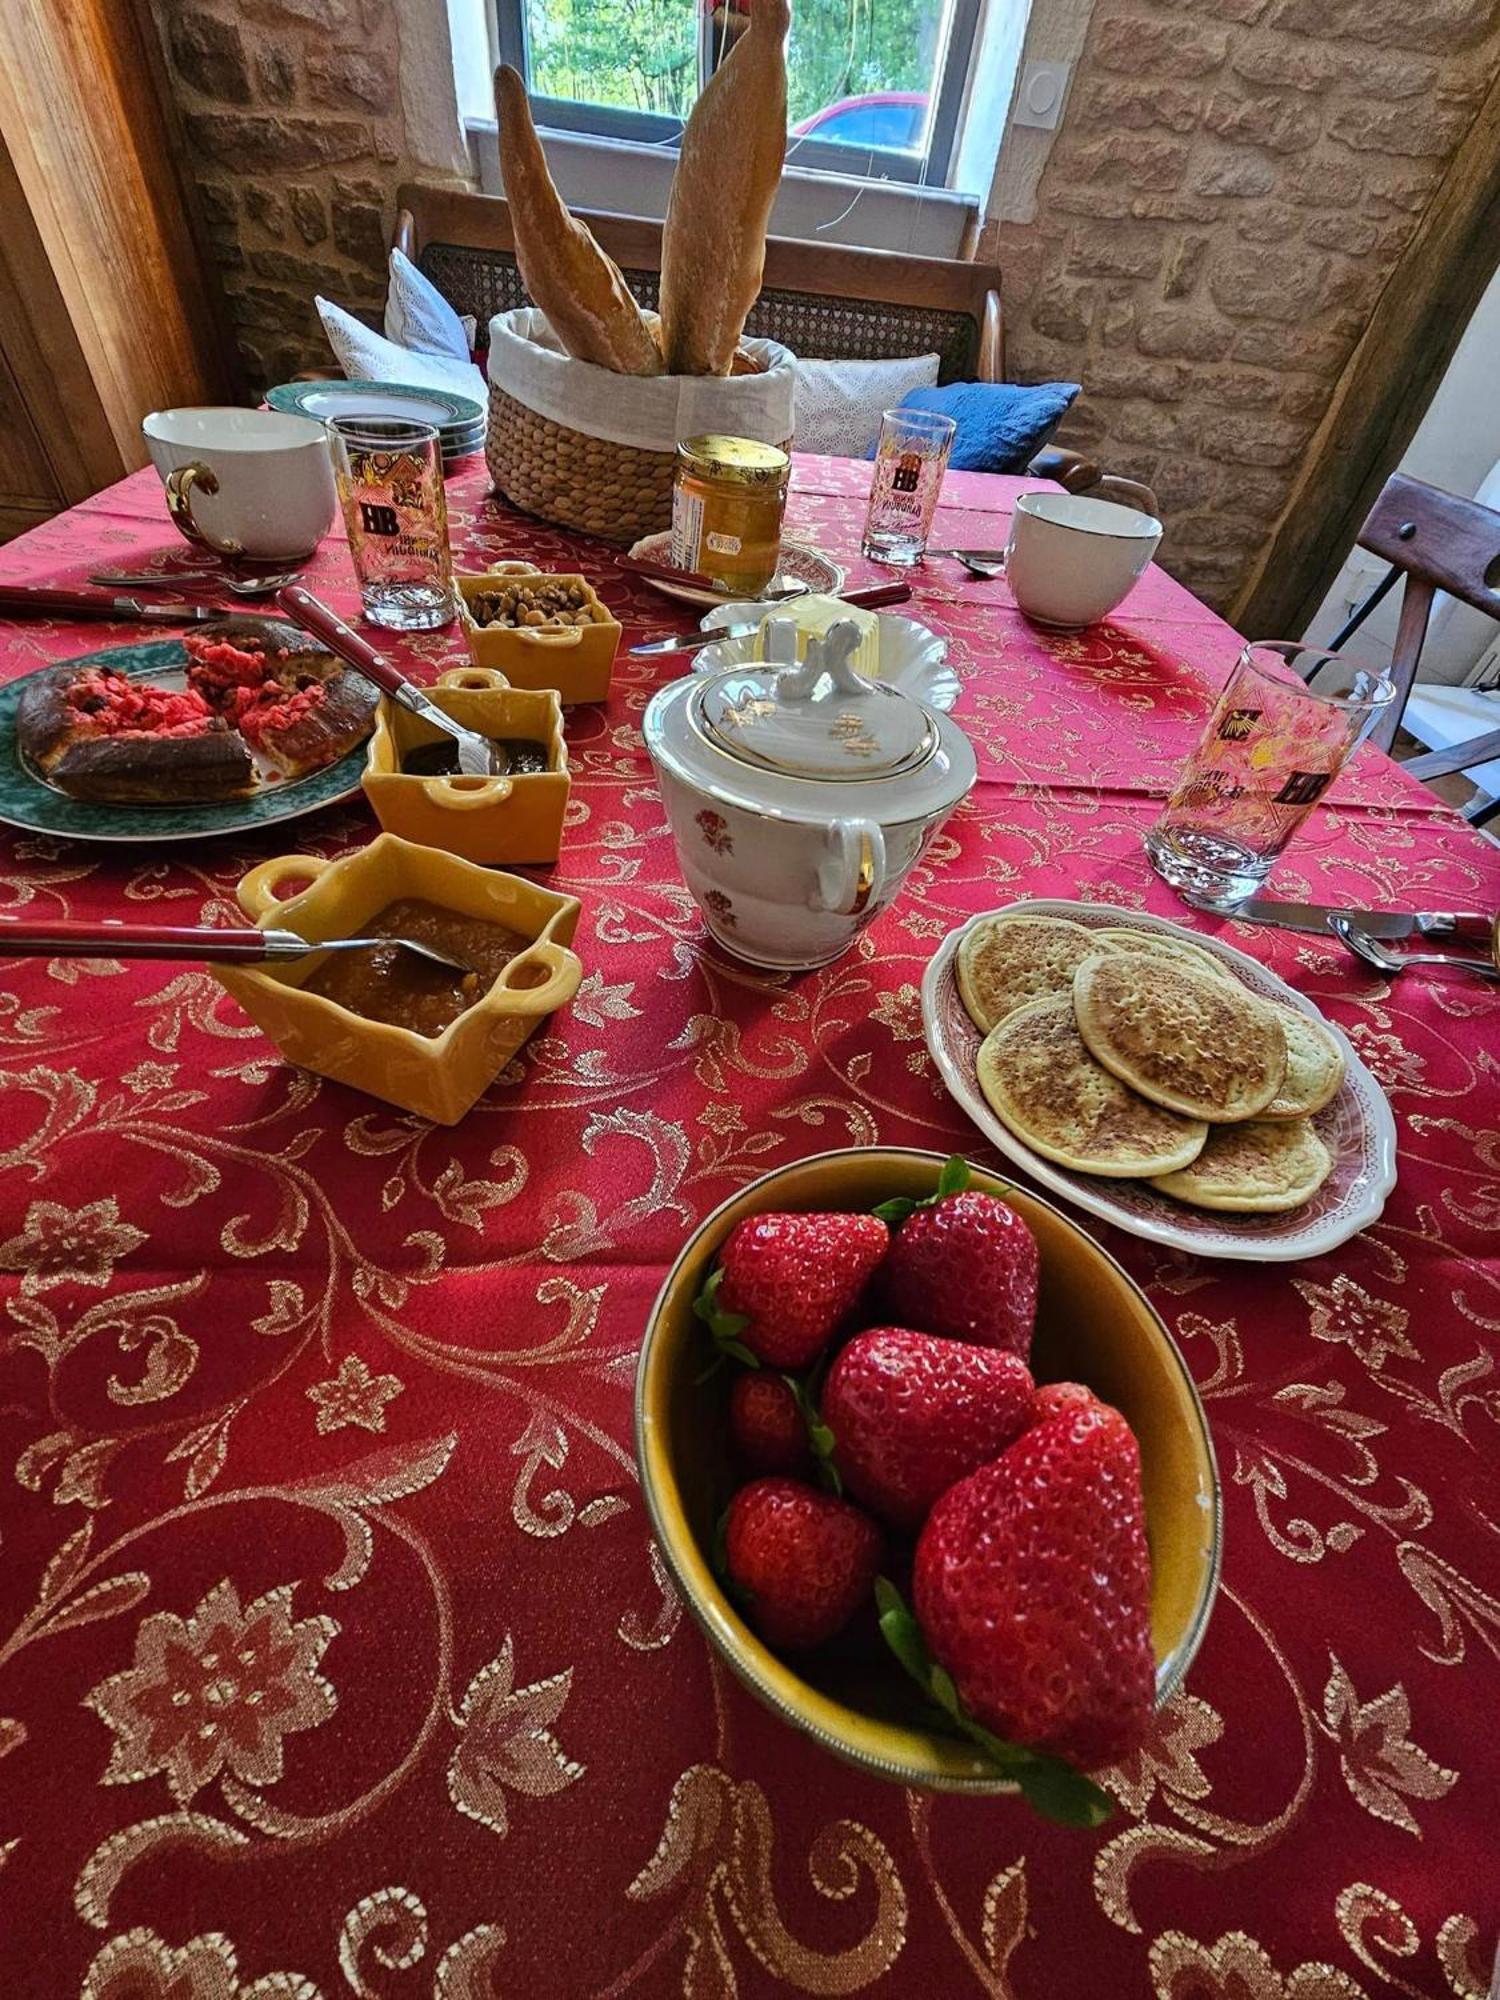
1385 389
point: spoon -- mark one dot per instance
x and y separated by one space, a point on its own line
477 756
257 586
66 939
1383 959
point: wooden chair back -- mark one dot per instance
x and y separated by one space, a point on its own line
823 300
1439 541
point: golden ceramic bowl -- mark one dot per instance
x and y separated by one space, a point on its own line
436 1076
1093 1325
577 660
487 820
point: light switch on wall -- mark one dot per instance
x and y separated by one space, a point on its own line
1039 100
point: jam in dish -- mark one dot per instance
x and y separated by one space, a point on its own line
440 759
404 991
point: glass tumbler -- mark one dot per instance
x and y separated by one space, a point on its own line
910 461
389 473
1282 730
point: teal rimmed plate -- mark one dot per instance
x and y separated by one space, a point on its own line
323 400
28 801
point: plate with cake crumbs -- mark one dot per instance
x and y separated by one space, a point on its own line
268 791
1159 1080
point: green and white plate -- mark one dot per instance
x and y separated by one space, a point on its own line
28 801
452 414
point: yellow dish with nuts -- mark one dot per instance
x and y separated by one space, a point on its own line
540 630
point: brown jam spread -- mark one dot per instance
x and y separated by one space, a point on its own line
404 991
440 759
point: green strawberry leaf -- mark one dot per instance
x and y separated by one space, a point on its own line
952 1180
819 1437
1049 1786
724 1327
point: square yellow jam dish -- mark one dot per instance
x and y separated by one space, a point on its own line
435 1076
487 820
577 660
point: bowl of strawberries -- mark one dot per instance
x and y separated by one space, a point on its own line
931 1474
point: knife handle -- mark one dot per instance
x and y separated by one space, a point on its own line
19 601
1466 924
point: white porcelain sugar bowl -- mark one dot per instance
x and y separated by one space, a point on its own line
800 796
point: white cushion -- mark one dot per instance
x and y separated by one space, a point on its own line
418 317
367 356
840 403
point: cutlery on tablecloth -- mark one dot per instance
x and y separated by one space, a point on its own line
477 756
986 564
68 939
16 601
1318 917
1383 959
253 586
867 599
695 579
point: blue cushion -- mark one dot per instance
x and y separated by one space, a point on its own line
1001 426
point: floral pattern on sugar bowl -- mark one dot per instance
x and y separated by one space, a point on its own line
800 797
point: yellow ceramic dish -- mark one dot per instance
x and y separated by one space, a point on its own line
577 660
486 820
1093 1325
436 1076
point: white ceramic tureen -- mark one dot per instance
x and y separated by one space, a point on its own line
800 796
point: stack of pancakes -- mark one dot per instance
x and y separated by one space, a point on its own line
1138 1055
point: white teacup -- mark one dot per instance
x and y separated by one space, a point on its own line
254 483
1070 560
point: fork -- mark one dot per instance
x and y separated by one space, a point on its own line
255 586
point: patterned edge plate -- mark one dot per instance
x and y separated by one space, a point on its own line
1357 1127
450 412
799 564
26 802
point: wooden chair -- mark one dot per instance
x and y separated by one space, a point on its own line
1436 541
825 301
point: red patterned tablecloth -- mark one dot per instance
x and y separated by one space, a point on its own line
334 1653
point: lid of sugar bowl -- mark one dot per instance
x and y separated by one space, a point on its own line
811 740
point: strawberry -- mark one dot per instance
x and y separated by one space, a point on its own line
911 1414
804 1561
766 1425
1032 1589
785 1283
1057 1399
965 1266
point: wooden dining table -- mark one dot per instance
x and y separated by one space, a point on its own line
335 1652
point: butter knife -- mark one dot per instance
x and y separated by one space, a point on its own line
868 599
1374 923
16 601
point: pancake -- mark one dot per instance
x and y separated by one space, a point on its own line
1314 1066
1043 1084
1161 944
1253 1169
1005 961
1190 1041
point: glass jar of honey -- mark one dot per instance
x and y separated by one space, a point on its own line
727 504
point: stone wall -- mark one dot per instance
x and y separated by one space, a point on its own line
292 115
1230 189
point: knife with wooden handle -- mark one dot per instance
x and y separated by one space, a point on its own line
1468 925
18 601
867 599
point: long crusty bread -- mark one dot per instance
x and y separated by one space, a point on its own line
587 302
714 244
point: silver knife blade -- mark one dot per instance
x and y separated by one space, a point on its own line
169 614
692 642
1375 923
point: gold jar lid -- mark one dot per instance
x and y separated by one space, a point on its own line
737 461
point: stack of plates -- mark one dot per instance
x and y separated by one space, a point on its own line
460 420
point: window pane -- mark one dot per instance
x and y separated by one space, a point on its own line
636 55
865 73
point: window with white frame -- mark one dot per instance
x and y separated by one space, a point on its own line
874 86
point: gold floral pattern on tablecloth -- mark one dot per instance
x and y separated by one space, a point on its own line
335 1654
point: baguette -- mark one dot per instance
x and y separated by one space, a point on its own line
588 304
714 242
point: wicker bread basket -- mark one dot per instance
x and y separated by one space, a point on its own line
613 480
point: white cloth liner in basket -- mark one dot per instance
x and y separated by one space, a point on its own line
649 412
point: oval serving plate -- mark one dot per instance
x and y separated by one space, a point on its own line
28 801
913 657
1357 1127
799 563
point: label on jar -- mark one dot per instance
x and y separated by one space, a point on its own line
687 528
724 545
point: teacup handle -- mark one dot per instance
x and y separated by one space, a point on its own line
258 891
1126 492
180 484
852 873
